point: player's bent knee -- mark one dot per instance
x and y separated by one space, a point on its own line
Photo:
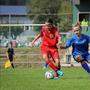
45 57
57 62
79 58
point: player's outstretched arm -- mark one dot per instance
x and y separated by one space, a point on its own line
63 47
35 39
68 43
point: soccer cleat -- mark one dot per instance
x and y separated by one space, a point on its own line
60 73
55 75
55 78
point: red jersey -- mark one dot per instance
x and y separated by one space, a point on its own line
50 36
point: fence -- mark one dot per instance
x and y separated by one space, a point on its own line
13 30
34 60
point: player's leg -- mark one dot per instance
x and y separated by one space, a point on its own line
85 66
46 56
60 72
11 60
45 65
55 56
46 53
83 62
55 71
49 62
50 58
88 57
57 63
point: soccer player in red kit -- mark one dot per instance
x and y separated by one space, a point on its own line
50 38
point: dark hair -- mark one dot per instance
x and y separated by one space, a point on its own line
50 21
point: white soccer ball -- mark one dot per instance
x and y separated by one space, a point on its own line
48 75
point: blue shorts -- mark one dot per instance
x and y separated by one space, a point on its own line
85 57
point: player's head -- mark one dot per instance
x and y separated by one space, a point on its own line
77 29
49 23
10 45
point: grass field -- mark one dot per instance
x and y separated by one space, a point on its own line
33 79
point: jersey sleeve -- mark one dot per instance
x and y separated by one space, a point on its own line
69 42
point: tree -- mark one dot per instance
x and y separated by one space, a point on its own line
43 8
55 9
14 31
66 17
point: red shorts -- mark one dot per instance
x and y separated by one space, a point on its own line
50 51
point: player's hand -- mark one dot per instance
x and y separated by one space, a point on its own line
58 44
61 47
32 44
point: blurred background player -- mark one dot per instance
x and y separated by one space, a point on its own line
80 47
50 38
10 54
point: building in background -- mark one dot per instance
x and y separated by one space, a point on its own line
13 11
81 11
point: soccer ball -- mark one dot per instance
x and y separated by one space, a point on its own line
49 75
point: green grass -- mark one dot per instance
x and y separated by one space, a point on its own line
33 79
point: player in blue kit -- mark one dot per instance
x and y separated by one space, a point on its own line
80 47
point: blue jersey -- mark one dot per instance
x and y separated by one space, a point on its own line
80 46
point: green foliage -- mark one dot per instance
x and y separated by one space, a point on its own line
13 30
58 10
16 30
65 6
65 19
40 9
44 6
4 31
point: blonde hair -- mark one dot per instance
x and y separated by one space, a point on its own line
77 25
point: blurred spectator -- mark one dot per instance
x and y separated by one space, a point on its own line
84 24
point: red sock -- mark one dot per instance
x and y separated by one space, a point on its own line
51 65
